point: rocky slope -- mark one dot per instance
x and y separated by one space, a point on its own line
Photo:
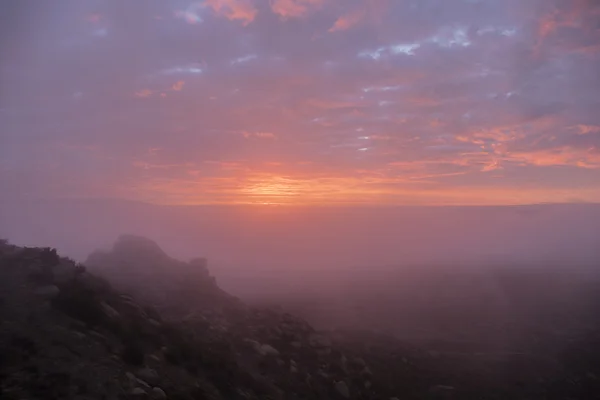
163 329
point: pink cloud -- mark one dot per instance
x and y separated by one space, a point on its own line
242 10
260 135
294 8
348 20
587 129
565 156
177 86
143 93
94 18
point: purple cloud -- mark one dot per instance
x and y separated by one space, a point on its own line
372 101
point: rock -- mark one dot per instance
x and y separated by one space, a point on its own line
368 385
158 394
142 383
79 335
293 369
64 273
277 332
342 388
440 388
200 267
98 336
317 340
47 292
324 352
154 322
138 392
359 362
296 345
109 311
394 398
268 350
149 375
441 391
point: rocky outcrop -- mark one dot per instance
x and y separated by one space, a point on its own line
138 266
66 333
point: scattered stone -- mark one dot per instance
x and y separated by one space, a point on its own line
324 352
440 389
268 350
359 362
109 311
138 392
149 375
342 388
98 335
317 340
79 335
142 383
158 394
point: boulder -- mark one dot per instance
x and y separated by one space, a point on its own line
158 394
268 350
138 392
109 311
149 375
318 340
342 389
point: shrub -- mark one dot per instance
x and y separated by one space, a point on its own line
80 303
49 257
43 276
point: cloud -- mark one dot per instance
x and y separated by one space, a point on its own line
562 156
94 18
143 93
178 86
337 101
587 129
348 20
294 8
260 135
242 10
191 14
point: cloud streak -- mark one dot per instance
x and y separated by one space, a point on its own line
304 101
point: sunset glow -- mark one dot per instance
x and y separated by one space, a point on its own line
303 102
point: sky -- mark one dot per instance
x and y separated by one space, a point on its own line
279 102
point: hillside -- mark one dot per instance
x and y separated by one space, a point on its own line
136 323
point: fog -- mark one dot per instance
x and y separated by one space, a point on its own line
333 263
